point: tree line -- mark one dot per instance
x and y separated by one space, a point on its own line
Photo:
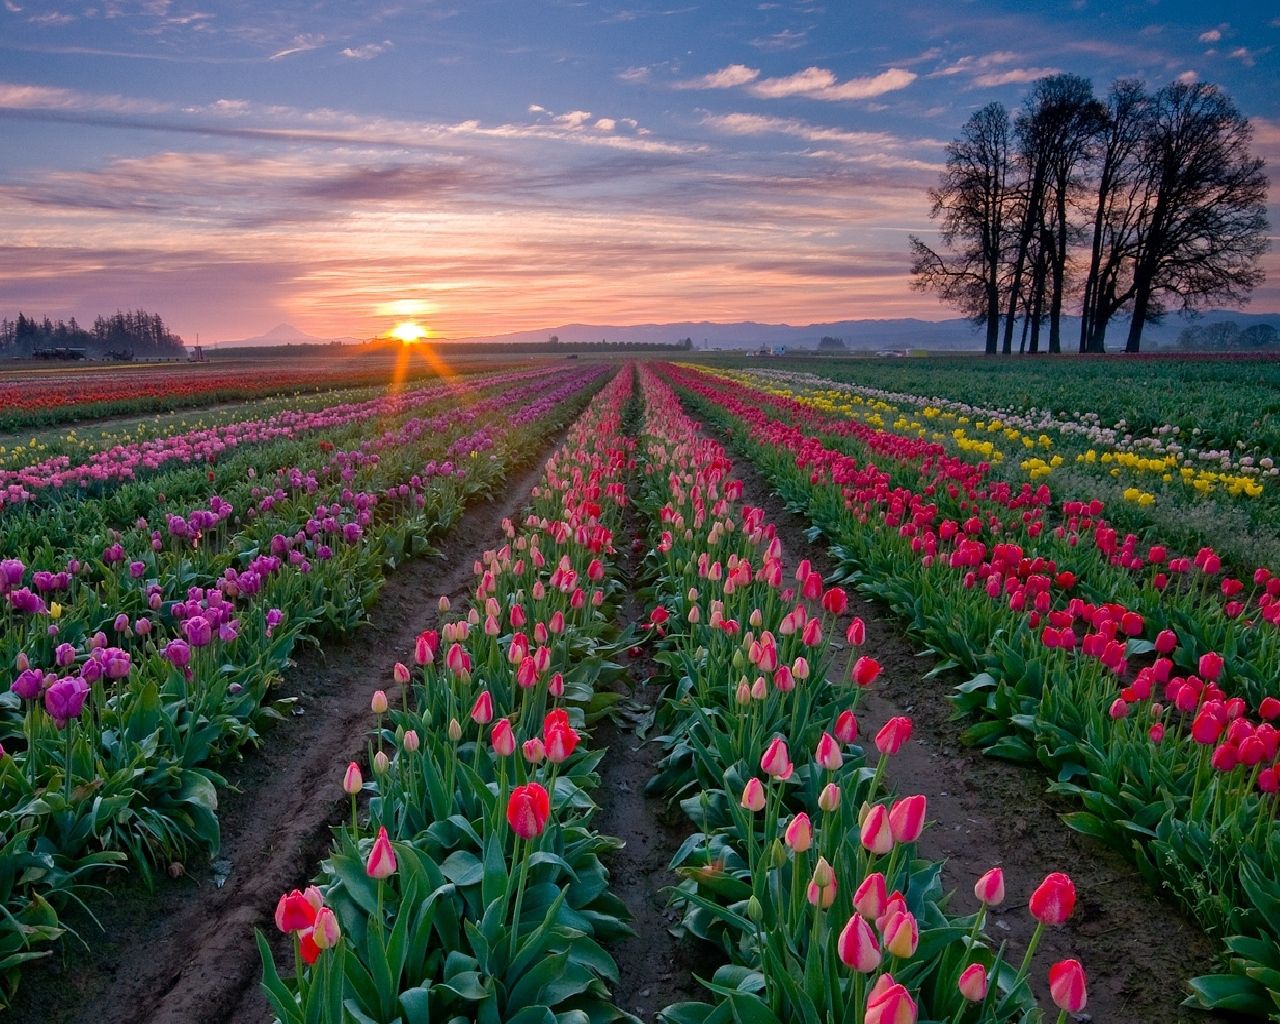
1137 203
137 331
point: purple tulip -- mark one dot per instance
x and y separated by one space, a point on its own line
177 653
64 655
136 569
198 630
11 572
27 602
228 631
27 685
142 627
116 662
64 700
113 554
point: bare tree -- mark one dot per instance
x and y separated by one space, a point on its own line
1207 225
972 202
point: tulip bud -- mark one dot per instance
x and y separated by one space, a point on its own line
504 740
382 858
989 889
443 604
380 763
352 781
828 754
889 1003
753 796
755 912
847 728
482 709
829 798
412 741
877 834
400 674
823 874
799 833
378 705
865 671
901 934
776 761
906 819
893 735
455 730
742 695
325 933
973 983
869 900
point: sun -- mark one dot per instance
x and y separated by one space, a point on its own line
409 332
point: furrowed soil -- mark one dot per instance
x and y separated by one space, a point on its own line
655 968
1137 949
185 953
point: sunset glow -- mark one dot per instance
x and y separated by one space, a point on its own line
408 332
343 167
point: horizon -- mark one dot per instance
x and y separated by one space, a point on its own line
345 167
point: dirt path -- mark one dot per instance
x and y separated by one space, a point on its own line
655 969
185 954
1137 950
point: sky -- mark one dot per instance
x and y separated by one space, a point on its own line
494 166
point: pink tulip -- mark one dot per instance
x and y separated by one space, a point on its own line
889 1003
400 673
901 935
906 819
858 947
877 834
533 751
847 728
989 889
973 983
482 709
325 933
504 740
382 858
753 795
870 899
1066 985
378 704
352 781
828 754
528 809
776 761
799 833
829 798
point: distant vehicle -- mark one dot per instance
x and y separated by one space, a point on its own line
60 353
121 355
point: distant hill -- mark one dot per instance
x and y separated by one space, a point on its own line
282 334
858 335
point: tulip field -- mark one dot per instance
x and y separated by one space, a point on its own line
163 585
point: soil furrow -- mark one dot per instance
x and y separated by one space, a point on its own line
1137 949
185 954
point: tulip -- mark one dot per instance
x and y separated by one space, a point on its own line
877 835
64 700
973 983
989 889
1211 666
893 735
412 741
856 633
906 819
870 899
829 798
1054 900
378 705
1066 985
294 912
382 858
776 761
889 1003
828 754
901 935
504 740
865 670
799 833
482 709
400 674
381 763
858 947
835 601
753 795
528 808
326 933
352 781
847 727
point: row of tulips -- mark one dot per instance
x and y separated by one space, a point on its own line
1171 769
803 868
129 686
472 889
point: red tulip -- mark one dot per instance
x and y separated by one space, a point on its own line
1054 900
858 947
1211 666
835 601
382 858
504 740
865 670
847 727
856 634
528 808
1166 641
893 735
1066 985
294 912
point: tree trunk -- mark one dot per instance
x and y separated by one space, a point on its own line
993 319
1141 301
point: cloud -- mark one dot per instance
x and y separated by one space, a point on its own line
605 124
787 39
49 18
1188 77
301 44
368 51
11 7
1246 56
972 65
15 96
574 119
726 78
1212 36
635 74
1014 76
